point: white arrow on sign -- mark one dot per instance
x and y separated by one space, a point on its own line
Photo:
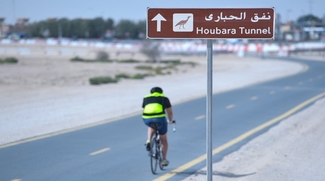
158 18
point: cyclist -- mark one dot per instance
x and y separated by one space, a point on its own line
155 105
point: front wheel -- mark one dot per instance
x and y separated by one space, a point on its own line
160 158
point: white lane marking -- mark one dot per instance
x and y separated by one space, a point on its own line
200 117
254 98
272 92
99 151
230 106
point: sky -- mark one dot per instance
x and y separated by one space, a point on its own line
135 10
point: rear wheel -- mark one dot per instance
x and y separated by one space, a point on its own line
160 158
154 157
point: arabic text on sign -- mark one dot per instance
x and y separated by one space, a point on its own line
242 16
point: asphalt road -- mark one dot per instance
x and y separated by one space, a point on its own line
115 150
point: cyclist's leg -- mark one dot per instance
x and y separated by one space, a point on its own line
148 122
150 132
164 145
163 137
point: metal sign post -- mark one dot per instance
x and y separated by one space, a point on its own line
209 110
210 23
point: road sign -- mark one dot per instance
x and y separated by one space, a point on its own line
208 23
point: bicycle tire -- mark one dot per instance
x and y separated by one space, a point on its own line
160 158
154 158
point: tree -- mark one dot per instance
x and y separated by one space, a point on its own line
65 27
308 19
109 24
125 29
33 30
87 28
141 29
97 27
77 28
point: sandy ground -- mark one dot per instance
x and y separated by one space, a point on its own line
292 150
44 96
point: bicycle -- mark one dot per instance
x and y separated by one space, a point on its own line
155 152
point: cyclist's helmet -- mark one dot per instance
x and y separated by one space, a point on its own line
156 89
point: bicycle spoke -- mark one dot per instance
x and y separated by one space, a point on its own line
156 153
153 156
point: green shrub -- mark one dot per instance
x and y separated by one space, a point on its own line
104 60
138 76
122 76
144 67
9 60
168 68
159 70
176 62
129 61
172 61
171 66
193 64
102 80
76 59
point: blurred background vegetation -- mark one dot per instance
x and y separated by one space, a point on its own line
108 29
97 28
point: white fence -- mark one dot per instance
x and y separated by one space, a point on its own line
67 47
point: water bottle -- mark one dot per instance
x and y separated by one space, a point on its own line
174 125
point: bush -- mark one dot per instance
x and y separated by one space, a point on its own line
103 60
102 80
121 76
102 55
193 64
76 59
129 61
143 67
176 62
159 70
151 50
9 60
138 76
168 68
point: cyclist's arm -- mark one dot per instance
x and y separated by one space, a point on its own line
170 113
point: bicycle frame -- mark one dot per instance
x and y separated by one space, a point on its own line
156 151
